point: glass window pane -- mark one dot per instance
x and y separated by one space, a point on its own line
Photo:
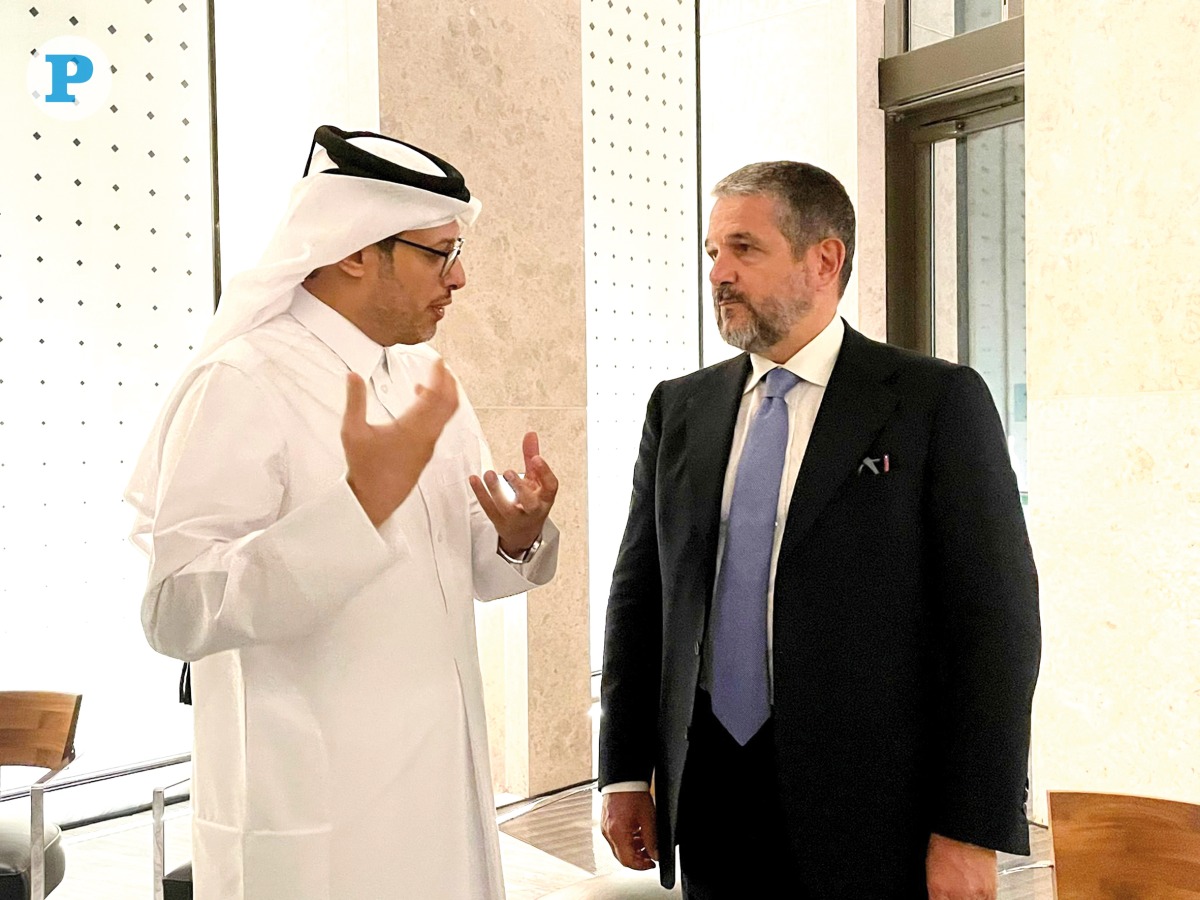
978 285
931 21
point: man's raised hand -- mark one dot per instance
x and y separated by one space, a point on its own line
383 462
519 520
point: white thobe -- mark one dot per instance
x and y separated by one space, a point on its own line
340 735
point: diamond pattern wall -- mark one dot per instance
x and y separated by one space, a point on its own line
106 285
641 244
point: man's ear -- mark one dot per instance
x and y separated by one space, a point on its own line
353 265
828 258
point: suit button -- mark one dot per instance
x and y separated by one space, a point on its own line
696 648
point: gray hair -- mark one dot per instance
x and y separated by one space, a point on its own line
811 205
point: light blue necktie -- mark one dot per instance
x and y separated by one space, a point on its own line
740 691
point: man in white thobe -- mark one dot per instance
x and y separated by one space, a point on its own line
318 531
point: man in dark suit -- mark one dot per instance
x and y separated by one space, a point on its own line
823 634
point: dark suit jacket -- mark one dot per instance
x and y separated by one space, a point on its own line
906 628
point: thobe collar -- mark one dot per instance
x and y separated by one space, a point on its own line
360 354
813 362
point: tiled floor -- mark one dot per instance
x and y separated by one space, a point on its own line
549 846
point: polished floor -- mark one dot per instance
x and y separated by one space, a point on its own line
566 827
546 845
113 861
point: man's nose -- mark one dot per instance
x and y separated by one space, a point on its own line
457 276
722 271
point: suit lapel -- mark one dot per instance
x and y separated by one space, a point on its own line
712 409
855 407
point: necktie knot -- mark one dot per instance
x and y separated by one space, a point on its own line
779 381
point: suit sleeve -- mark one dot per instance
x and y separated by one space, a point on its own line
987 603
629 688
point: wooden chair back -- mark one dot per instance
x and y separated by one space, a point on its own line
1118 847
37 728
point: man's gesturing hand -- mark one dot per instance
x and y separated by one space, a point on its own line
383 462
519 521
627 823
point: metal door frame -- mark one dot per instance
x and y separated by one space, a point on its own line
960 86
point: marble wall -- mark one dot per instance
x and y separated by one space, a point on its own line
1113 232
495 89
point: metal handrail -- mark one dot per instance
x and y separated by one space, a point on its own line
37 828
159 833
37 791
103 775
521 808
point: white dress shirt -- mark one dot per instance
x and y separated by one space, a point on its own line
814 364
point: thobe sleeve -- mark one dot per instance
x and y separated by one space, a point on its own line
227 570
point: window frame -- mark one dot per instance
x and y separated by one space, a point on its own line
959 86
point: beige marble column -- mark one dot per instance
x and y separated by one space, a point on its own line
870 201
495 89
1113 232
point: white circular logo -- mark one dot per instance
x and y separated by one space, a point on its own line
69 78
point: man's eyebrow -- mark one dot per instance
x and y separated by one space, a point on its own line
743 237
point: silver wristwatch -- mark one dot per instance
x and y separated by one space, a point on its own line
524 557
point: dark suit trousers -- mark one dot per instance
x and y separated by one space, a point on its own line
733 842
733 829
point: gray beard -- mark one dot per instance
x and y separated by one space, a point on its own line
754 337
764 329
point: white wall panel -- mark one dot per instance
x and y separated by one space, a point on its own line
105 288
781 79
104 293
640 135
282 70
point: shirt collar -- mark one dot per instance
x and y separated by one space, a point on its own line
360 354
813 362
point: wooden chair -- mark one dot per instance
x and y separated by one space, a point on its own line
1117 847
37 729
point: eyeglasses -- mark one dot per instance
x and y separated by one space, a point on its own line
449 257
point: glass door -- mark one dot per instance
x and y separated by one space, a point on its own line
977 278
